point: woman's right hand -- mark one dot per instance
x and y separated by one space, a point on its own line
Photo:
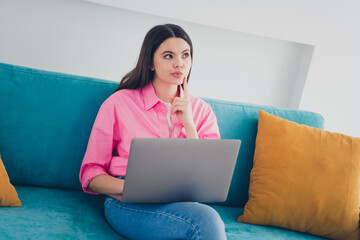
115 196
106 184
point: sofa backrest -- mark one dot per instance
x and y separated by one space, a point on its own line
46 119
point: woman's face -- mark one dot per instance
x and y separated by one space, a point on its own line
172 61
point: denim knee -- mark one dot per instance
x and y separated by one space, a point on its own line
187 220
208 223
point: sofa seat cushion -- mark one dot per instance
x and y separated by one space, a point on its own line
236 230
49 213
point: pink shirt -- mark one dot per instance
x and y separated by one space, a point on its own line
127 114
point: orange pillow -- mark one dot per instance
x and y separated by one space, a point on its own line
8 195
304 179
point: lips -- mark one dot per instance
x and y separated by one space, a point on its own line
177 74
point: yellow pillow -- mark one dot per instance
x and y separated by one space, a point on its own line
8 195
304 179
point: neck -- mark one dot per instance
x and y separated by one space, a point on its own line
163 90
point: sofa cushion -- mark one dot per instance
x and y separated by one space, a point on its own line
47 125
239 121
235 230
8 195
49 213
304 179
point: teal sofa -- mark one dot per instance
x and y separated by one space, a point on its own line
45 122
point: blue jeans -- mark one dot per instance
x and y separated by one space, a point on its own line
180 220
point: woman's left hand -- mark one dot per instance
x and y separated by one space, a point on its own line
182 108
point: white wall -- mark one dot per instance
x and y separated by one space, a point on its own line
332 26
39 33
89 39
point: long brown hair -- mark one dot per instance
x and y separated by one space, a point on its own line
141 75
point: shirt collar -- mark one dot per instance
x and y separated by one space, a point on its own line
150 97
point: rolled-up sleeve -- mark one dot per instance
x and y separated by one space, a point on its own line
208 127
100 147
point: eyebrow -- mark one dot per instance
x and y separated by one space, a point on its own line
173 53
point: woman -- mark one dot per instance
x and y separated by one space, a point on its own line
152 101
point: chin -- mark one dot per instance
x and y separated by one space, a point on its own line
176 82
179 81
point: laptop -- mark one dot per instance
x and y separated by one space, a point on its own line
164 170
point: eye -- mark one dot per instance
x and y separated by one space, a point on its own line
186 55
168 56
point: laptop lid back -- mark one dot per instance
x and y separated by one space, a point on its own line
164 170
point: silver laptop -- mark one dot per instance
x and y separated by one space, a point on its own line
163 170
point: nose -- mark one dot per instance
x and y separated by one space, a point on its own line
178 63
